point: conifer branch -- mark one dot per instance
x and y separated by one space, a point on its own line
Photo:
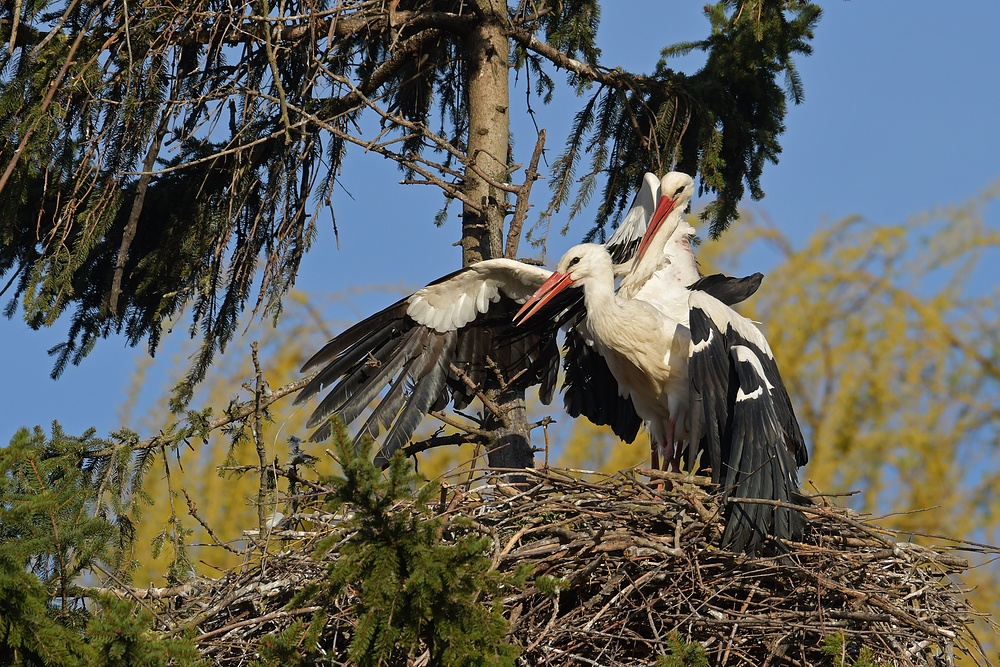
616 78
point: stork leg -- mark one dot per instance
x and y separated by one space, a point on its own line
671 453
654 458
675 451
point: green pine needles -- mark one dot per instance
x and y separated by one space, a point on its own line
56 529
295 646
682 654
848 652
423 580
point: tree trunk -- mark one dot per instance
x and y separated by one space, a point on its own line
482 231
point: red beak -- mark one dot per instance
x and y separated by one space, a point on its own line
555 283
663 209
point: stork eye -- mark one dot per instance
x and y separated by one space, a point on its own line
574 261
679 190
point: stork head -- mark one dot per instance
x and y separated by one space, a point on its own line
580 264
676 191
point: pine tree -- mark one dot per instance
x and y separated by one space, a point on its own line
56 529
414 589
157 155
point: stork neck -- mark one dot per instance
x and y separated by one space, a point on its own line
677 251
672 250
599 293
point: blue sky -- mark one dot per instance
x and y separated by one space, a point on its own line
899 116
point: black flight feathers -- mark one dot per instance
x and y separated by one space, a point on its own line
751 439
423 369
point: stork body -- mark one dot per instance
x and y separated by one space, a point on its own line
714 373
663 270
646 350
734 407
635 338
734 410
644 344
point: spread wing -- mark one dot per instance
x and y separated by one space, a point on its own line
435 347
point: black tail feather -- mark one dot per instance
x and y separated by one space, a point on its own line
727 289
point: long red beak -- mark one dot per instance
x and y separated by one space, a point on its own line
555 283
663 209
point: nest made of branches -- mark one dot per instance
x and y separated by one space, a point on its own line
638 571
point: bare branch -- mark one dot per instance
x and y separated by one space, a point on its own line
444 441
522 204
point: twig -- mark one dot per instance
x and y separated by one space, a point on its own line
523 194
193 511
255 621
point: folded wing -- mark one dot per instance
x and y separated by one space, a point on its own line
746 427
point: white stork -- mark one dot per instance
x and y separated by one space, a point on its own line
664 272
450 338
665 264
684 357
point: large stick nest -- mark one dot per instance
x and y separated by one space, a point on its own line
637 564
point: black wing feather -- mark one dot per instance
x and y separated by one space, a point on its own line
355 403
709 371
346 361
789 425
428 379
590 389
750 438
763 465
378 323
727 289
383 413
